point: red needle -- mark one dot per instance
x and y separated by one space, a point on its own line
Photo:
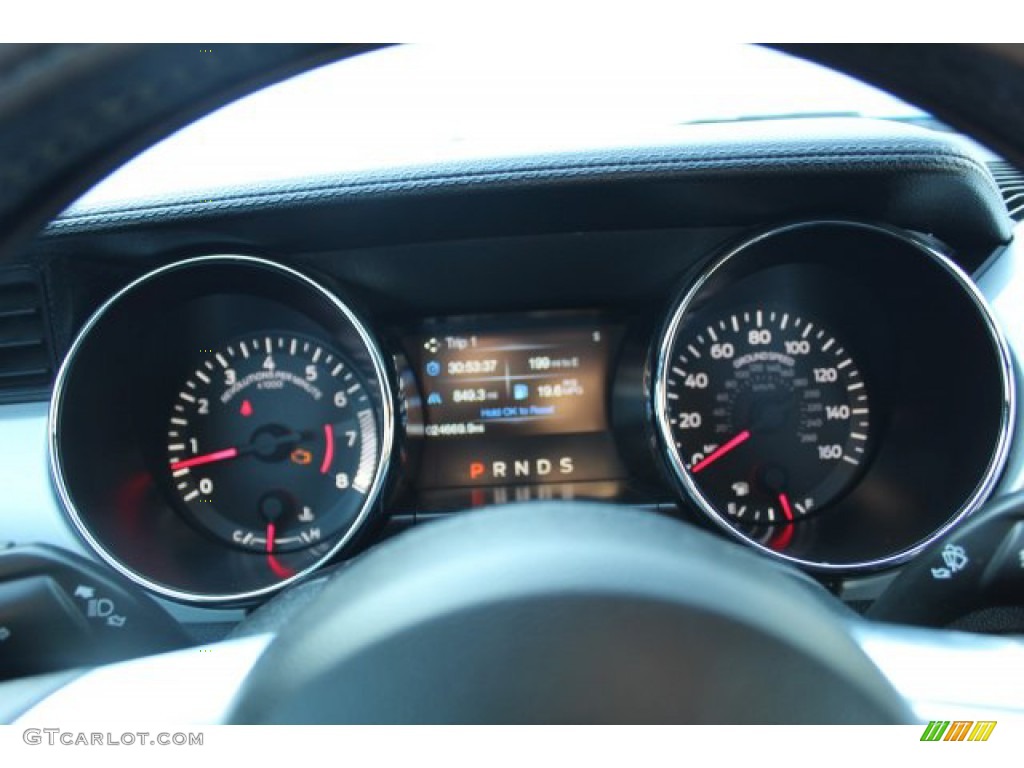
719 452
195 461
781 540
270 538
786 509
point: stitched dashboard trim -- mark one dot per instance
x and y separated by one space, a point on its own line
402 182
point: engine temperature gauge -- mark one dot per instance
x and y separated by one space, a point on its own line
768 413
271 443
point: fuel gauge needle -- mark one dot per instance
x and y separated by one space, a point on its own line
719 452
782 538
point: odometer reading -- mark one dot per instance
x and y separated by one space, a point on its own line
272 442
768 413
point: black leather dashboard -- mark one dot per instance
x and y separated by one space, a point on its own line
378 231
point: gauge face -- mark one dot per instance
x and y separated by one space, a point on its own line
769 416
272 442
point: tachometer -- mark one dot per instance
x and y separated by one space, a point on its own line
272 442
222 427
769 414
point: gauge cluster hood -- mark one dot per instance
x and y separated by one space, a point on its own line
712 175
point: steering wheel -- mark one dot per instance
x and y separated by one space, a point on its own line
540 613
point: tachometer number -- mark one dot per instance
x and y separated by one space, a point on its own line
271 442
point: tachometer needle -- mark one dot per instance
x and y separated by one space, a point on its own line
209 458
720 451
270 538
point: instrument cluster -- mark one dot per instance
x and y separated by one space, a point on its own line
836 395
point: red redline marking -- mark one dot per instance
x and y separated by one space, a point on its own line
195 461
329 452
718 453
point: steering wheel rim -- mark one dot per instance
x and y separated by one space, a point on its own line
566 612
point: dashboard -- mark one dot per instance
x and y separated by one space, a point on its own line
790 352
832 392
710 383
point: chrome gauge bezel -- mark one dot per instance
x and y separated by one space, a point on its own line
659 405
384 396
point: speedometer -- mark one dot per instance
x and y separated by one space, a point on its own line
834 394
769 414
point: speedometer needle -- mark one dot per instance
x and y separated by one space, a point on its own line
208 458
719 452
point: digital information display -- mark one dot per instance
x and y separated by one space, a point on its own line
507 407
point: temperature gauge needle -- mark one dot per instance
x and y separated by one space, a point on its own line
719 452
208 458
786 509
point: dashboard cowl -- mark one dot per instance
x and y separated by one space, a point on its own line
706 175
